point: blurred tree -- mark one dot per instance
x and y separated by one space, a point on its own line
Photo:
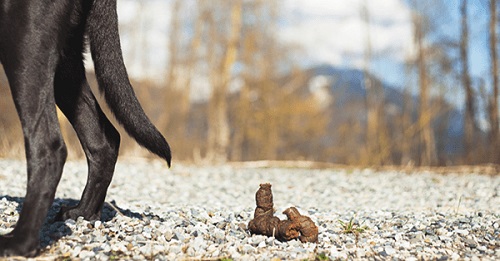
222 56
432 66
407 137
493 102
469 114
421 27
272 116
377 147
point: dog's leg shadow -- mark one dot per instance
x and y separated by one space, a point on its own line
111 209
53 230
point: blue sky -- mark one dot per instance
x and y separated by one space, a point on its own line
332 31
326 31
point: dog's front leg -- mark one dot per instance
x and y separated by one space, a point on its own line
46 153
31 80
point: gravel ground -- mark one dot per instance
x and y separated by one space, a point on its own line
201 213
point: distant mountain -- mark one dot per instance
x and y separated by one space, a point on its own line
341 96
348 84
347 91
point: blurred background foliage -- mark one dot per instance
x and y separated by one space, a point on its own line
231 90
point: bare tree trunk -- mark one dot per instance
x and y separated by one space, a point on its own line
469 125
493 139
135 30
144 42
371 142
243 115
173 61
377 144
173 45
427 150
189 67
406 122
218 132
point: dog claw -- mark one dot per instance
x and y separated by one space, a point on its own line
74 213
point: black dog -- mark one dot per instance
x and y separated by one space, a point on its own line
41 46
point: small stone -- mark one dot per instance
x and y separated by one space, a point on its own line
100 239
179 236
442 258
270 240
470 243
97 224
461 232
191 251
360 253
168 235
86 254
216 220
145 250
76 251
129 229
198 244
248 249
405 244
243 215
175 249
158 249
146 235
350 245
389 250
257 239
481 248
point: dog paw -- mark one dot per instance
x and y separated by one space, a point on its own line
15 246
74 213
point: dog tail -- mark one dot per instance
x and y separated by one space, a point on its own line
102 31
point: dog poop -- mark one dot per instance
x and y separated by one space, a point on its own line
265 223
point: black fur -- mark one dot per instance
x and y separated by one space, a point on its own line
41 45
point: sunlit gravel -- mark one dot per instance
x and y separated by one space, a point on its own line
201 212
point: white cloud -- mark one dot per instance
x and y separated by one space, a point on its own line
327 31
333 31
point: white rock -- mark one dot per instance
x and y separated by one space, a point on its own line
461 232
389 250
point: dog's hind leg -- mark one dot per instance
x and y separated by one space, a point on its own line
31 77
99 139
